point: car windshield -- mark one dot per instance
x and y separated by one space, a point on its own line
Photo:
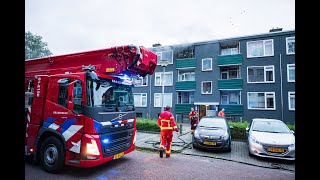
270 126
109 93
213 123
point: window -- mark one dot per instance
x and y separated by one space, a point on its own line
141 81
224 99
261 100
260 74
291 72
230 73
77 91
206 87
291 97
185 75
207 64
167 78
167 99
165 55
230 97
140 99
185 97
229 51
260 48
63 94
290 45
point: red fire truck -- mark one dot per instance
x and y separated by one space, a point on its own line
80 108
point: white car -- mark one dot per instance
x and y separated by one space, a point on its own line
270 138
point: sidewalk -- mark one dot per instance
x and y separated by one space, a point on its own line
151 140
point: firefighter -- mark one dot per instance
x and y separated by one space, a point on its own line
193 116
167 126
221 113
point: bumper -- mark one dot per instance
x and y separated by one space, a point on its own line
96 162
259 150
220 144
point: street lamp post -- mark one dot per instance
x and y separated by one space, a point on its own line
163 63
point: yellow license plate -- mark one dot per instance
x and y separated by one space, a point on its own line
210 143
119 155
280 150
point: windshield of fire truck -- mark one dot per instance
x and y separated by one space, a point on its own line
105 93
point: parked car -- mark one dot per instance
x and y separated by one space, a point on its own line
270 138
212 133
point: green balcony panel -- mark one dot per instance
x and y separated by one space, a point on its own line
186 63
234 109
235 59
183 108
185 85
230 83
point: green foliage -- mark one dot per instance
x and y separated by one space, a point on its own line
147 125
35 47
292 127
239 130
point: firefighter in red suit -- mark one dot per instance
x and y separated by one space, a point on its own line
167 126
193 116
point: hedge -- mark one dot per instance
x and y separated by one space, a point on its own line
237 132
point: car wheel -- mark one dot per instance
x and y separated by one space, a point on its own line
229 147
52 155
251 155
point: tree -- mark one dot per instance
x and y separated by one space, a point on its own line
35 47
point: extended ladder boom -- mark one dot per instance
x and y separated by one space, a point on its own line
136 60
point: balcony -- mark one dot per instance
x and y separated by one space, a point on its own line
183 108
228 60
230 83
186 63
232 109
186 86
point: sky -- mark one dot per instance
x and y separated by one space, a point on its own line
71 26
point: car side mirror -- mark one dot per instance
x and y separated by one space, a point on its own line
231 127
292 131
247 129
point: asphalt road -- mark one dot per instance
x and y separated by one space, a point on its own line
148 165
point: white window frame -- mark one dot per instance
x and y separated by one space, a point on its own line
288 38
264 48
291 67
204 59
142 79
266 95
159 74
142 95
159 56
202 87
292 94
265 69
181 77
159 95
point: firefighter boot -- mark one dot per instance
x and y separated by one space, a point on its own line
167 155
161 153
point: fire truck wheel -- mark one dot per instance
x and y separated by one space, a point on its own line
52 155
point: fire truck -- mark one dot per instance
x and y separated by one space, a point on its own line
79 108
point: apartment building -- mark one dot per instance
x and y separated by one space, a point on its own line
249 76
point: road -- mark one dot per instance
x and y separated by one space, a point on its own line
148 165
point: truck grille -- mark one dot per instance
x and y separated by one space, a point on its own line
117 142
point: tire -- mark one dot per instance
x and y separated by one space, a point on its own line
52 155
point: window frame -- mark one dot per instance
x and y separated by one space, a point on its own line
158 74
160 96
202 82
287 48
288 72
264 48
141 97
265 101
159 53
210 64
264 74
142 80
290 95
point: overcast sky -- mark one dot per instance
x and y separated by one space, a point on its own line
70 26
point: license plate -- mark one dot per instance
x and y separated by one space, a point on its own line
119 155
279 150
210 143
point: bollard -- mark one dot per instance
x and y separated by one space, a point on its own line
180 129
